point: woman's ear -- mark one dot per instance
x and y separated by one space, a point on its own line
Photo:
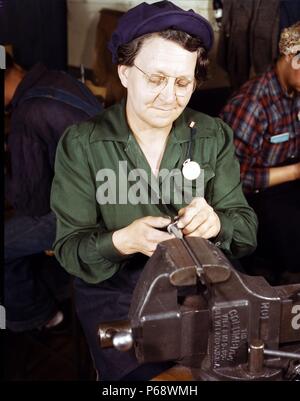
123 71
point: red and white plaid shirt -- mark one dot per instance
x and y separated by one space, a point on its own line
259 111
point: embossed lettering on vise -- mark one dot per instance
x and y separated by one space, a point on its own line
229 335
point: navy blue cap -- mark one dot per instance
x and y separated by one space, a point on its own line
156 17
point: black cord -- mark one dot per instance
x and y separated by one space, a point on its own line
193 132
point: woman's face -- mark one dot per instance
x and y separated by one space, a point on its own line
150 108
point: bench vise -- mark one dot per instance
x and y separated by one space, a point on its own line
191 306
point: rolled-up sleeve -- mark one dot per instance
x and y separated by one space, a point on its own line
248 121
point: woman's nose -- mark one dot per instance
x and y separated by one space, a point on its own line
168 93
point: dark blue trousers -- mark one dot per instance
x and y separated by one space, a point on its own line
28 286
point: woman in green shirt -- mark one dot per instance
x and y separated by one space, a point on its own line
112 191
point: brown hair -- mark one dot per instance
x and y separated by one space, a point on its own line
128 52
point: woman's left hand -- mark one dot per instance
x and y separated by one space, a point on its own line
198 219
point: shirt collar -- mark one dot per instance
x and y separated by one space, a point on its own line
111 125
276 89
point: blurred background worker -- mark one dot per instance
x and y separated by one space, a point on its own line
42 104
265 117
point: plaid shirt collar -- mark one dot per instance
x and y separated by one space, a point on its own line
276 90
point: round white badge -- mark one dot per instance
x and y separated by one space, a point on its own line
191 170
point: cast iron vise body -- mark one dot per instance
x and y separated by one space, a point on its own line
191 306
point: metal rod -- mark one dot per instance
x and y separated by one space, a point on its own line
195 260
173 229
292 355
82 73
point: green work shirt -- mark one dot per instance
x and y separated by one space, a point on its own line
85 226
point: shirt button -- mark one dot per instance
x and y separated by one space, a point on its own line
293 156
256 191
218 243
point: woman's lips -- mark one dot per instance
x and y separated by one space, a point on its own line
161 109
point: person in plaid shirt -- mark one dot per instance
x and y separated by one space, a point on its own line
265 117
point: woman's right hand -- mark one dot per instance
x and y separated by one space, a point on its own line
142 235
